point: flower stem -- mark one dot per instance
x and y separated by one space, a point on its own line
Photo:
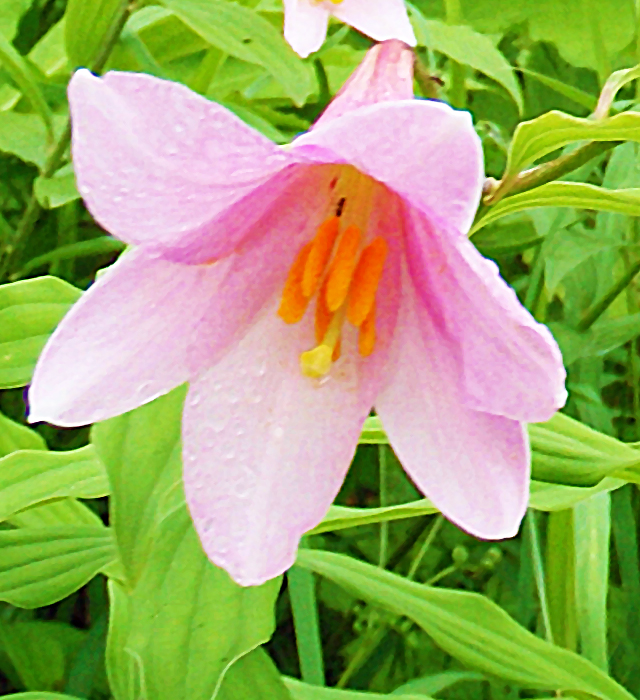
538 569
435 528
32 212
593 313
384 489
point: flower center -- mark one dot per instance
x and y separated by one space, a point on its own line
343 269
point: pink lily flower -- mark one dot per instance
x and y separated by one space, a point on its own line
306 21
294 289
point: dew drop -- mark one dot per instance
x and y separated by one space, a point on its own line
278 433
143 388
195 400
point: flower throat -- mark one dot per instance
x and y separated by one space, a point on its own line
343 270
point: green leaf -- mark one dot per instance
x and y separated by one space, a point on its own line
40 696
28 477
553 497
57 190
41 566
141 452
470 627
38 651
86 25
466 46
565 194
22 74
243 33
253 677
304 691
430 685
592 528
587 33
66 511
537 138
341 517
568 452
25 136
14 436
12 11
560 578
179 621
29 312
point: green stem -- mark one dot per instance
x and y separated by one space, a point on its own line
536 282
53 162
435 528
304 607
103 245
592 314
547 172
538 569
383 465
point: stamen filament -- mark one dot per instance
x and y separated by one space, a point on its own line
294 303
341 272
365 281
319 255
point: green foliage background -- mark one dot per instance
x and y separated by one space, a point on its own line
105 591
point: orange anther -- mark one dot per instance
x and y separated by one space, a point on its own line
321 248
294 302
366 280
342 268
323 315
367 334
337 351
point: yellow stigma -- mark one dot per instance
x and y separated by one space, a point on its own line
316 363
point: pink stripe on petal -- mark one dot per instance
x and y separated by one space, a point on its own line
511 365
155 162
474 466
266 449
425 151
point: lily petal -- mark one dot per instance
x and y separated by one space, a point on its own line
387 19
511 364
385 74
149 324
266 449
474 466
155 162
305 25
124 343
423 150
